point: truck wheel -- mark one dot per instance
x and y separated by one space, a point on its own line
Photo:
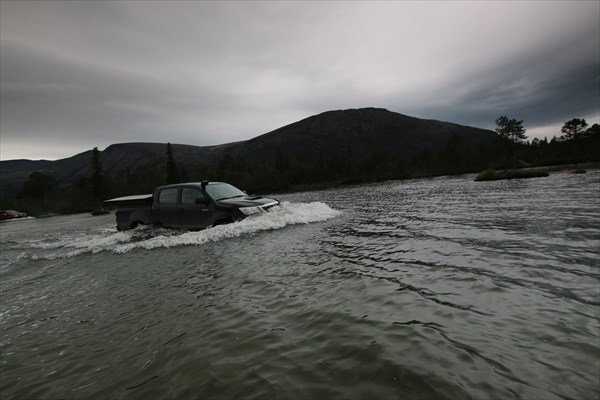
135 224
222 222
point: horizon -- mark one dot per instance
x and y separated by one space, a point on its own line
79 75
541 137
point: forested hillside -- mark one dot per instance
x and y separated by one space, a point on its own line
335 147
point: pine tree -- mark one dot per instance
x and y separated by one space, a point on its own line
511 129
99 186
573 129
172 170
38 186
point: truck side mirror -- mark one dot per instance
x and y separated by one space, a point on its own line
201 200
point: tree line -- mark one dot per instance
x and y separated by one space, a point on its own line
514 130
42 193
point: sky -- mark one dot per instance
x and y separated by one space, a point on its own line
76 75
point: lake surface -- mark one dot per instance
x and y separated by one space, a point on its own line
439 288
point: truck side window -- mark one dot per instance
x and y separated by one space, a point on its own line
189 195
168 196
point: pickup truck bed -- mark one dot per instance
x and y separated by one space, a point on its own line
136 200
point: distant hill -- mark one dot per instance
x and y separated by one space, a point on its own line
342 145
361 130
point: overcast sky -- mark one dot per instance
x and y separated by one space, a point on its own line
75 75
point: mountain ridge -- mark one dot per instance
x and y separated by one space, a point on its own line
340 137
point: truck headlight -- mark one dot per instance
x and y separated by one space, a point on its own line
250 210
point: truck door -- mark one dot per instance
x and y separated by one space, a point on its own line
166 209
196 211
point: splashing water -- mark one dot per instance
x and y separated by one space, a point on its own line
145 237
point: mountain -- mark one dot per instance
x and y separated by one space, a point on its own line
362 130
343 145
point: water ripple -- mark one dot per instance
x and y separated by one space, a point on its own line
439 288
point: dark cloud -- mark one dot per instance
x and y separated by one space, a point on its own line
538 97
75 75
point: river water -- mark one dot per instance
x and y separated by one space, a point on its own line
439 288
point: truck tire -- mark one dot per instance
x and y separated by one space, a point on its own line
135 224
223 222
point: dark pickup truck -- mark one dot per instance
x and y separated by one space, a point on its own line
188 206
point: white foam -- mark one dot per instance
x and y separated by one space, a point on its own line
150 238
84 241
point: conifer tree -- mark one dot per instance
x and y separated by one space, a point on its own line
39 186
573 129
511 129
99 186
172 170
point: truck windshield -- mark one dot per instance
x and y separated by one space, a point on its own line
222 191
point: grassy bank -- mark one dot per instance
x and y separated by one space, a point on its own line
573 168
491 175
535 172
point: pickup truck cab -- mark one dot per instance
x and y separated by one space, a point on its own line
196 205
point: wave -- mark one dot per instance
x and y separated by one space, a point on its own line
146 237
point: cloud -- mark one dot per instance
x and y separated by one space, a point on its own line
85 74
